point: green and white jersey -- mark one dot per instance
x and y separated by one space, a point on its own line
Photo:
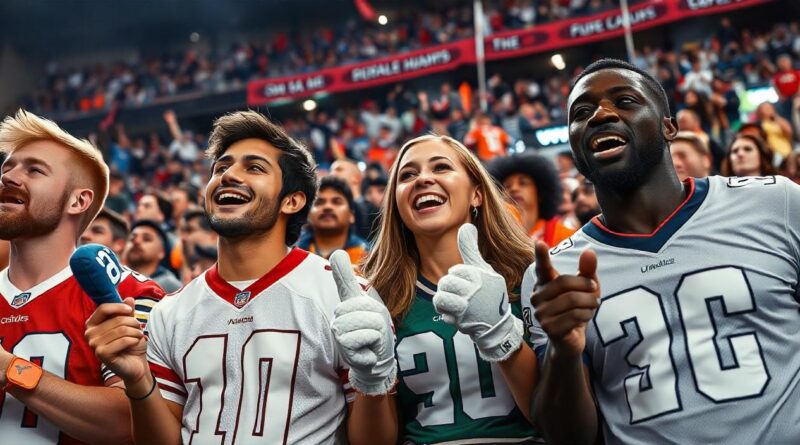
446 392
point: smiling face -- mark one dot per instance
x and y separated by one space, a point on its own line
242 194
28 206
616 128
434 192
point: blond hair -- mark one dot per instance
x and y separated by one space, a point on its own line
25 128
393 263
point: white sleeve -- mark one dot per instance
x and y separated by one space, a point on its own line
536 337
169 383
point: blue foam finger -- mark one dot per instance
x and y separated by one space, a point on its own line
98 272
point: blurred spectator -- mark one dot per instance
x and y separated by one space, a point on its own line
194 232
348 171
787 84
778 129
487 140
689 121
146 249
586 205
698 79
331 222
200 260
373 189
532 182
690 156
790 167
183 144
748 156
155 207
118 198
182 198
109 229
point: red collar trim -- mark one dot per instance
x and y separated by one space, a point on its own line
230 293
600 225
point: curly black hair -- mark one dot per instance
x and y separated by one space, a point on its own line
540 169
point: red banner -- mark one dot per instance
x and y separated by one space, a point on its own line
499 46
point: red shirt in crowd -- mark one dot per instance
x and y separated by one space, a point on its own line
787 83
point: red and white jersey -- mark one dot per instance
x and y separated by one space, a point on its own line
253 365
45 325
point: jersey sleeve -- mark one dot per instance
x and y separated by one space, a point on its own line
534 334
169 383
145 292
793 226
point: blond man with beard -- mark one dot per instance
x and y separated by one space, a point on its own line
54 389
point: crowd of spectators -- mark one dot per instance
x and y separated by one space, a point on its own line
198 69
157 179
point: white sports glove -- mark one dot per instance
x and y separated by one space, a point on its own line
473 297
362 328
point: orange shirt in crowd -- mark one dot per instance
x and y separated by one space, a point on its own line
489 141
551 231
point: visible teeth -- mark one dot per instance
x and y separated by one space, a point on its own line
231 195
426 198
600 140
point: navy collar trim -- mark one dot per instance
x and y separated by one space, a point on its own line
653 242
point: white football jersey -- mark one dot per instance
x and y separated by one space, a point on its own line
257 365
697 337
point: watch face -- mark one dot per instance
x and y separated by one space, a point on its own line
23 373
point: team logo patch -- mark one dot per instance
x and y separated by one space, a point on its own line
20 300
241 298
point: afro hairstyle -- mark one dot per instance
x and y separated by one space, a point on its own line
537 167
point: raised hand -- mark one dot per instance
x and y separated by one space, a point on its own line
564 304
362 328
473 297
116 338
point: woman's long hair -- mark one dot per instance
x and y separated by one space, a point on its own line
764 155
393 262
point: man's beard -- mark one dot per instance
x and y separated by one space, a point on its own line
642 164
259 219
23 224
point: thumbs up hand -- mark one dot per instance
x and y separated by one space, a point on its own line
473 297
362 328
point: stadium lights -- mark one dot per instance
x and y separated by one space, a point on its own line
558 62
194 37
309 105
383 20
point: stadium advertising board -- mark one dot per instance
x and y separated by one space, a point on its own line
499 46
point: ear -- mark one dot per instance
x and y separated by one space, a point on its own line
293 203
477 198
79 201
352 217
670 128
119 246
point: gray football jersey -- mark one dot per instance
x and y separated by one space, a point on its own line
697 337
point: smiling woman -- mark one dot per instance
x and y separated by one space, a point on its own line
436 186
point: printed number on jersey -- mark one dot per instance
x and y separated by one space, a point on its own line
436 380
268 363
18 424
652 390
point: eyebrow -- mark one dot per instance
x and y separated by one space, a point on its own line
431 159
613 90
248 158
28 162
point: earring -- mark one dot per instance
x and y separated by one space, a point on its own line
474 213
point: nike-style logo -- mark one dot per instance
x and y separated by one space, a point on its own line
21 369
502 299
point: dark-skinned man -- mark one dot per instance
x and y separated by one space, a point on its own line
684 308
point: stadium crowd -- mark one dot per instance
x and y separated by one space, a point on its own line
154 218
359 144
199 69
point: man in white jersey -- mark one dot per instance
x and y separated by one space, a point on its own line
244 353
682 321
